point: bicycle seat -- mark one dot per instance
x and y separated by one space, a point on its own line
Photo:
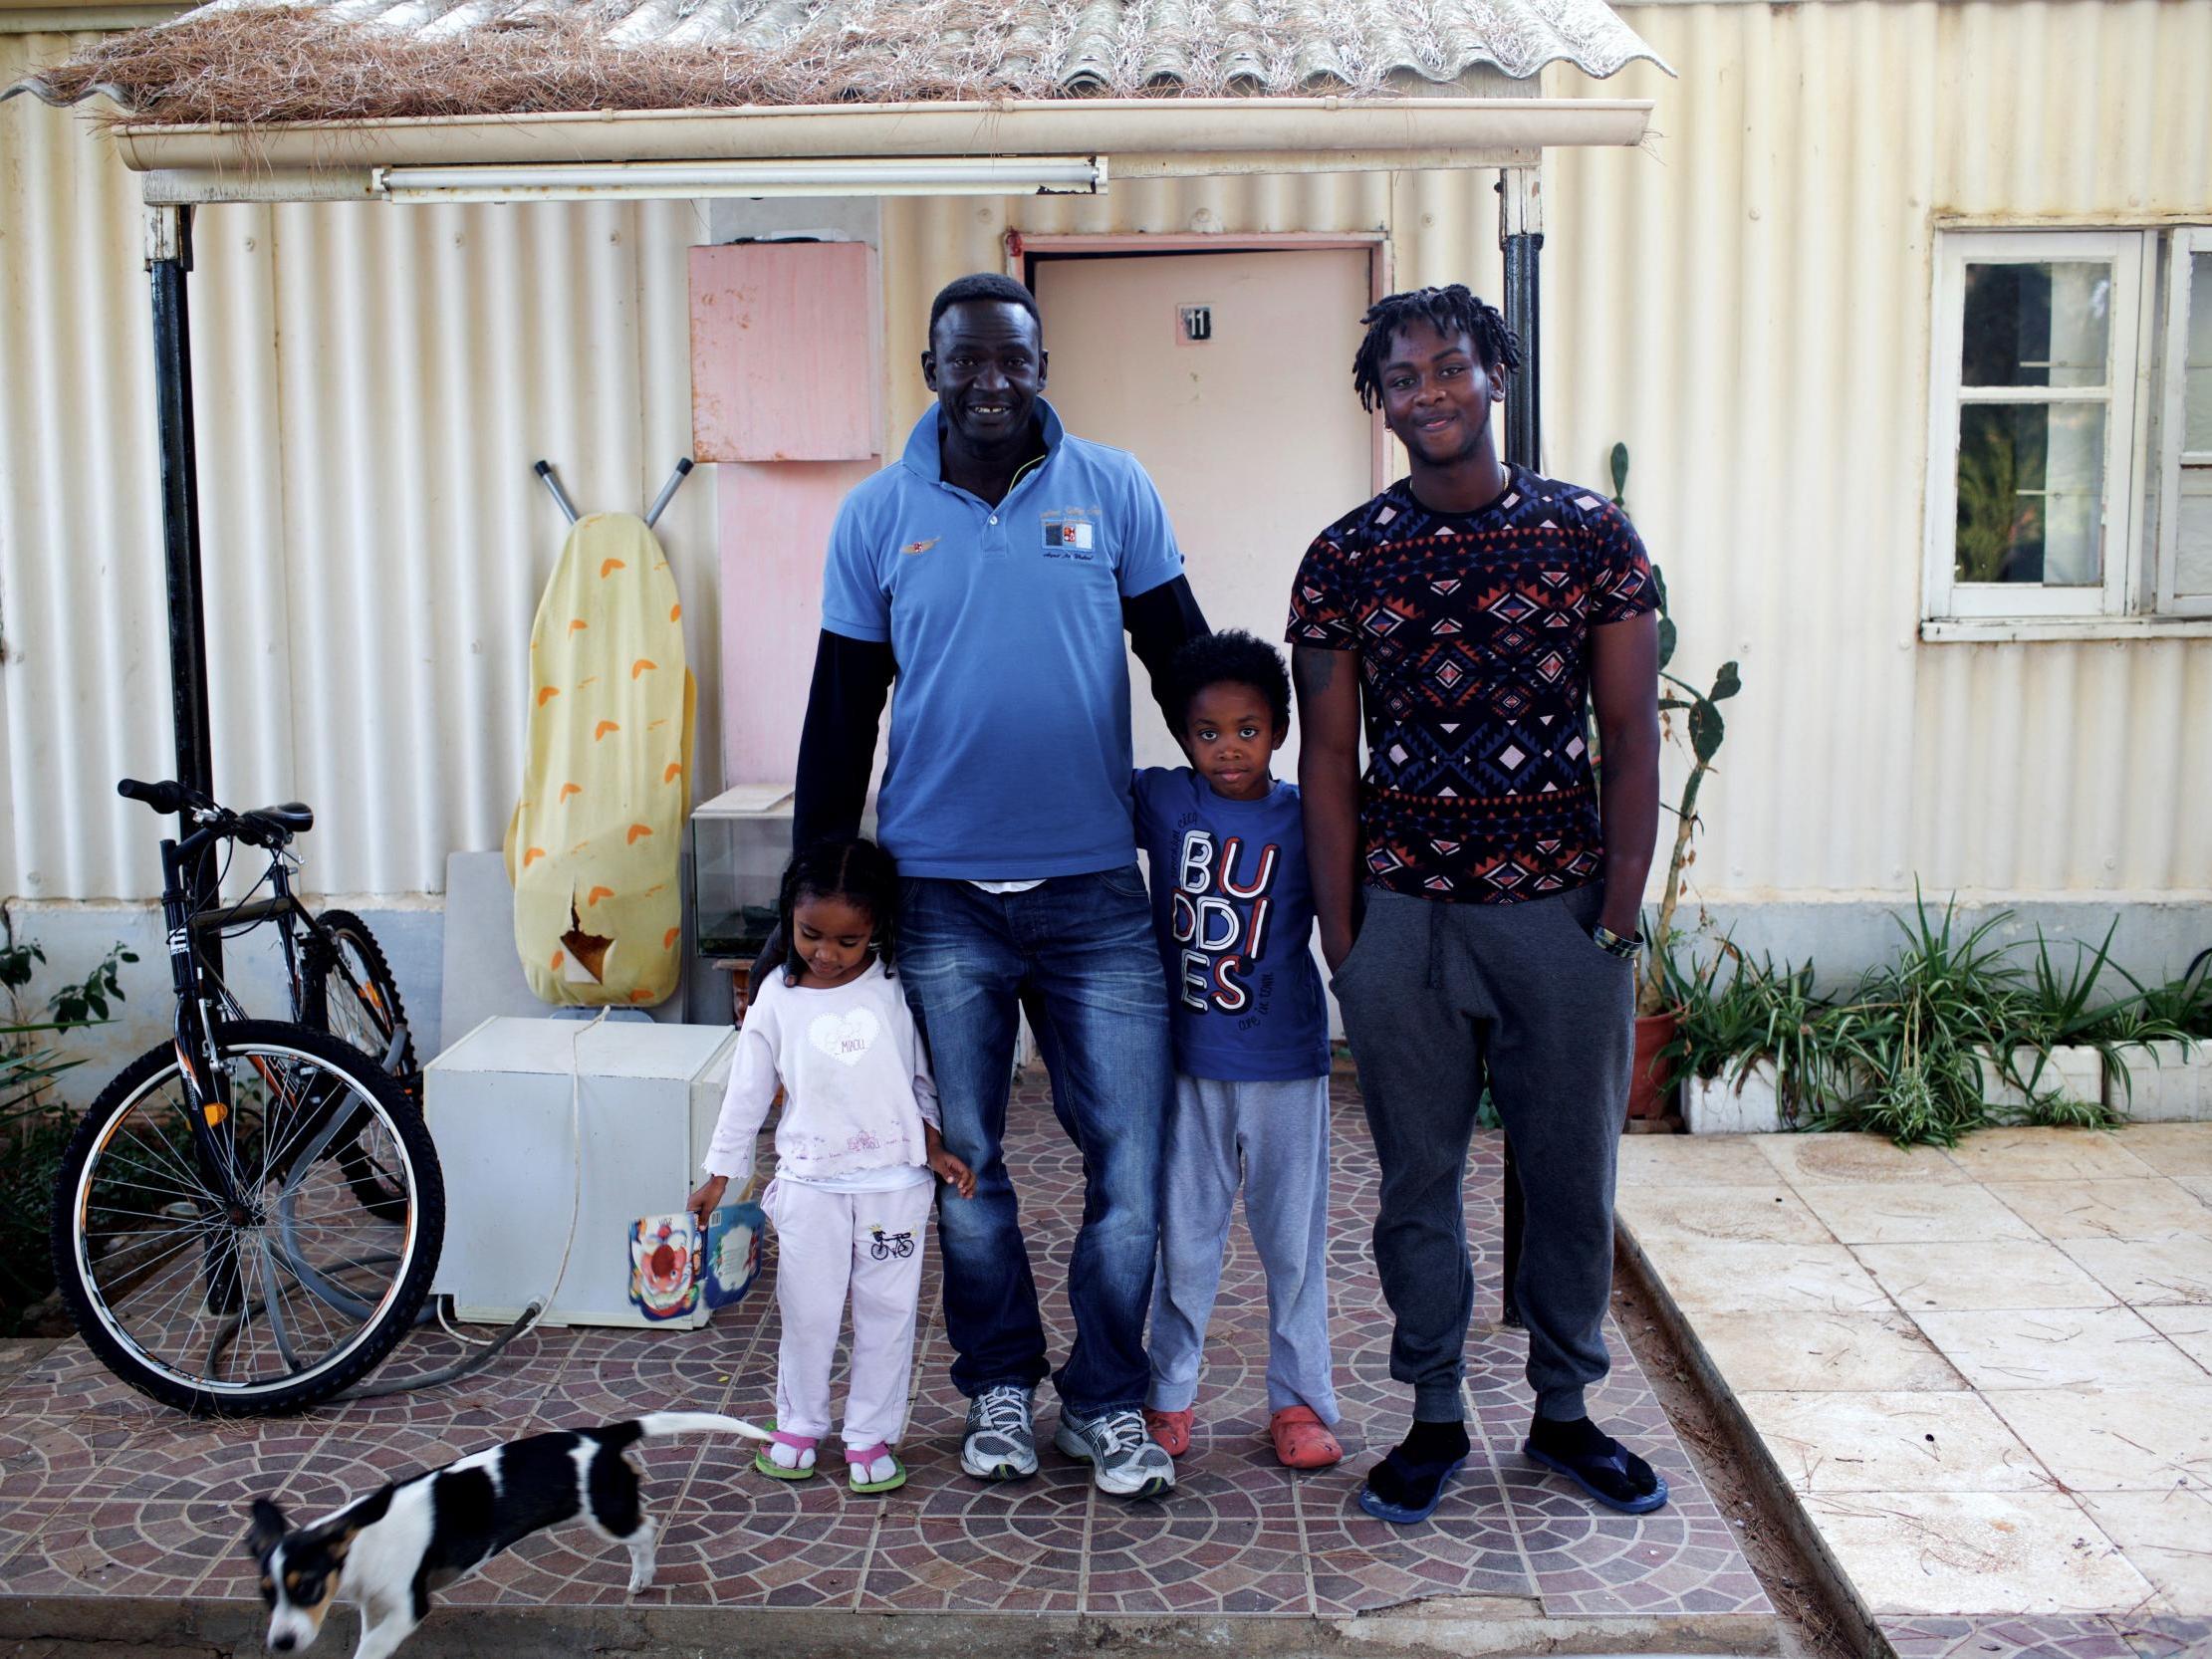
284 821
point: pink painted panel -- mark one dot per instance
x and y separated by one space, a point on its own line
774 530
784 360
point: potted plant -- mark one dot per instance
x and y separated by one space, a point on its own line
1702 724
2167 1078
1908 1054
2061 1045
1748 1049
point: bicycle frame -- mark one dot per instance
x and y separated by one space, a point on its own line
195 1009
281 907
199 1005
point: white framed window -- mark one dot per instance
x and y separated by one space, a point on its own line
2184 557
2037 341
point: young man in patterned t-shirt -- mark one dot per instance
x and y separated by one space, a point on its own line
1477 897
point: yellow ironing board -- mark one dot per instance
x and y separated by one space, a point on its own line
593 848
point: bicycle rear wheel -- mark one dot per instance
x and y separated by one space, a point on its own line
254 1279
348 989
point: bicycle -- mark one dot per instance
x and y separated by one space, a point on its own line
212 1239
882 1248
338 982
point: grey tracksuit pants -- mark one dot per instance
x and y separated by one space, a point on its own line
1274 1138
1433 996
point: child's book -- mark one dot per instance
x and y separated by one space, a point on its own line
673 1268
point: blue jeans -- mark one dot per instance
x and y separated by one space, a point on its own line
1078 954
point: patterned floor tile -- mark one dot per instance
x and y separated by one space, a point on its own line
120 1546
965 1546
1584 1559
104 1491
1360 1564
2005 1638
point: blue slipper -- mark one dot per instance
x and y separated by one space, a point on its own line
1404 1515
1616 1462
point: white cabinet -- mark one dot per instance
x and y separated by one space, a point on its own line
511 1104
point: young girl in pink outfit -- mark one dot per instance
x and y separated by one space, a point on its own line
857 1157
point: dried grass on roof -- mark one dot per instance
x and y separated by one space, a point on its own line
267 65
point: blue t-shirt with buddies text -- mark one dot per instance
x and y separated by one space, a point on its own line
1233 909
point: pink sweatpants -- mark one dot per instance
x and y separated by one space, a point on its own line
826 1242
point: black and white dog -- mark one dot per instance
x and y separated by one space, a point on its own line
387 1551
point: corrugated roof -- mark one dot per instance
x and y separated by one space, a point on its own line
370 59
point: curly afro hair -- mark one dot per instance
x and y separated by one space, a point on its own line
1236 657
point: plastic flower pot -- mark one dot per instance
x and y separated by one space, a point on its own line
2167 1082
1730 1105
2072 1073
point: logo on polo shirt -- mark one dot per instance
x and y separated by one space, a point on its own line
920 546
1069 535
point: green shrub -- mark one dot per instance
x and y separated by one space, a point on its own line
34 1122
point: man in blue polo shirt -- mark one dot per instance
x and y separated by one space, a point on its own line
992 572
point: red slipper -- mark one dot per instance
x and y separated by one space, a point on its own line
1302 1439
1171 1430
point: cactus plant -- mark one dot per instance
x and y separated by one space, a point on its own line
1704 728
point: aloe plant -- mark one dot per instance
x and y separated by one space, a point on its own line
2064 1006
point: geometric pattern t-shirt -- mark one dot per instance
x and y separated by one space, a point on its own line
1473 634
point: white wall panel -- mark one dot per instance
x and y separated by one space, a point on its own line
373 385
1744 303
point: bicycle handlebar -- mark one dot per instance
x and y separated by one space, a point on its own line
266 827
169 795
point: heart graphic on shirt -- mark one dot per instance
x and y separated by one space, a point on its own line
845 1038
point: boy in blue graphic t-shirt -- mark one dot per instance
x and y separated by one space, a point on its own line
1234 912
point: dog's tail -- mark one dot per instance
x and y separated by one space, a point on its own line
657 1423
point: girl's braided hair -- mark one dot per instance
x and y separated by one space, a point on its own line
857 871
1449 311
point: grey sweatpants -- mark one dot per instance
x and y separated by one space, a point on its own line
1274 1137
1433 995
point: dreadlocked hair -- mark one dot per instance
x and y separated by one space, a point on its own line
858 872
1449 311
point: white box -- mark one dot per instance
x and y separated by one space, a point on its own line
508 1119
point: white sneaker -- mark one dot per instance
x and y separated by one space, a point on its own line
1000 1441
1125 1461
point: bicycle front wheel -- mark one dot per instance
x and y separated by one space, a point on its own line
237 1271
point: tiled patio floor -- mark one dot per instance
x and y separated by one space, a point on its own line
107 1494
1986 1375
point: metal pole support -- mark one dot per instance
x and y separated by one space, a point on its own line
1521 239
168 258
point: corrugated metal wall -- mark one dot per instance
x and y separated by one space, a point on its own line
1747 307
1744 304
372 388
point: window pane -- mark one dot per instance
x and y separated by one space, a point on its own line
2192 574
2030 493
2196 395
2037 325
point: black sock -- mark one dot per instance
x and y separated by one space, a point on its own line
1418 1467
1586 1447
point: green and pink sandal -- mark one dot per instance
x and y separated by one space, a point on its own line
858 1461
802 1445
